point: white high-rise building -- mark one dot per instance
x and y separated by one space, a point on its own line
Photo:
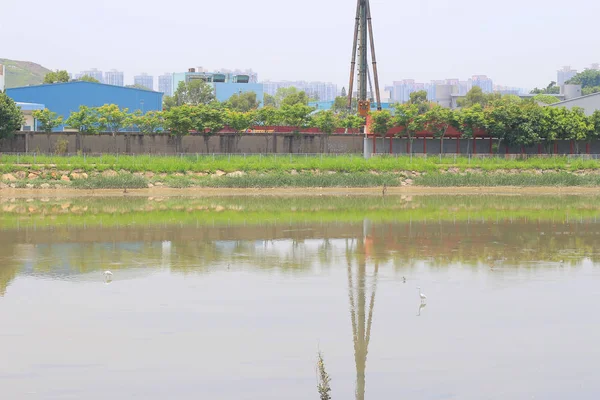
564 74
94 73
144 80
322 91
485 83
165 84
114 77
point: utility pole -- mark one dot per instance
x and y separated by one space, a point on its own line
363 36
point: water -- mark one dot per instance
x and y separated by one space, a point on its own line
231 298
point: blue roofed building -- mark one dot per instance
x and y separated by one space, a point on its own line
64 98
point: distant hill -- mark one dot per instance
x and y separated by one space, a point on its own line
23 73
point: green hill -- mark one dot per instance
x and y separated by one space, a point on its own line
23 73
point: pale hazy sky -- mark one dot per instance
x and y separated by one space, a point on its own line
515 42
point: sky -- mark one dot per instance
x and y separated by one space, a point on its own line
517 43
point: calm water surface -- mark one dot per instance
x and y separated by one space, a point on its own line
231 298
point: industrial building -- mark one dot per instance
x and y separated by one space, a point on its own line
224 84
589 103
64 98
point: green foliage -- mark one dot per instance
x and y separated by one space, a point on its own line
194 92
297 115
352 121
269 100
11 117
418 97
179 120
407 117
47 120
381 122
587 79
56 77
207 120
326 121
340 105
239 121
87 78
23 73
438 120
151 122
267 116
521 179
138 86
169 102
84 120
545 98
550 89
243 102
476 96
290 96
121 181
590 90
112 119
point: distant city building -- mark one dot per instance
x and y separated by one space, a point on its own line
485 83
322 91
94 73
225 84
144 80
165 84
114 77
252 76
564 74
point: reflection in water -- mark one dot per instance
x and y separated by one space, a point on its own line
361 317
421 306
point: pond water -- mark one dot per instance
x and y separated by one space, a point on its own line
232 298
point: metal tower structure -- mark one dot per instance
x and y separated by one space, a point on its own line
363 32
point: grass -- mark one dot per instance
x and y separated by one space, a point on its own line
121 181
520 179
286 163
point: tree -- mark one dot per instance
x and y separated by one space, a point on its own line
588 78
238 120
340 105
87 78
381 122
208 121
112 119
326 121
168 102
352 121
56 77
179 121
151 122
267 116
84 120
550 89
47 120
243 102
476 96
469 120
194 92
545 98
407 117
269 100
290 96
418 97
297 115
438 120
11 117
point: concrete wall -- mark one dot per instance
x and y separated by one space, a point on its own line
135 143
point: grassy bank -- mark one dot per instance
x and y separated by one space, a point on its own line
280 171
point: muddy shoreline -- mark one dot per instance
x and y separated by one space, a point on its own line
295 192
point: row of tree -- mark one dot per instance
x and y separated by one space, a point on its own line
509 119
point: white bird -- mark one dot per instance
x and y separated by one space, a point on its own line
108 274
423 297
